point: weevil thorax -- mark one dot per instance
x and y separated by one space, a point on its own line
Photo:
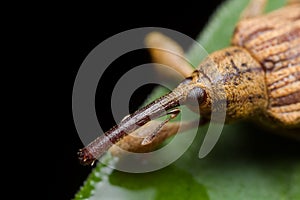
231 81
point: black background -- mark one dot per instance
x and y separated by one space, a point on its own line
73 34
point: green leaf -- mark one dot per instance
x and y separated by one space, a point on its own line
248 161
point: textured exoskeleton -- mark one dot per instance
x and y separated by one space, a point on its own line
258 77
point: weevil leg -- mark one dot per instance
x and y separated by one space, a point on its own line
166 51
254 8
133 141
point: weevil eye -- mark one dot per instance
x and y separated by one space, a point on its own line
196 96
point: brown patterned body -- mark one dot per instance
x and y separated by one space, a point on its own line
257 77
274 41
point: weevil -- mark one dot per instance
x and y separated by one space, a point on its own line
260 74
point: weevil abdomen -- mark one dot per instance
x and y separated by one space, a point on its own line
274 41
